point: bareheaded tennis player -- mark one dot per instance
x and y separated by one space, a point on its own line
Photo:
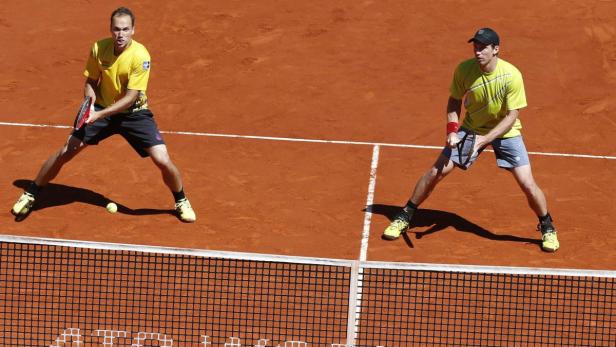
117 73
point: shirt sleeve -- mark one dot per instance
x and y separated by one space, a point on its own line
92 71
140 72
457 90
516 96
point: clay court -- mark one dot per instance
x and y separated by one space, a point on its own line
300 129
362 74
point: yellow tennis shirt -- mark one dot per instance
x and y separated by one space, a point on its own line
116 74
488 97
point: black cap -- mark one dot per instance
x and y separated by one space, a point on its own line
486 36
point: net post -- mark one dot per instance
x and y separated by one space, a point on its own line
354 300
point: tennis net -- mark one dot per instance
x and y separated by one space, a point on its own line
73 293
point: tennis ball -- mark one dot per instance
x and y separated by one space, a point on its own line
112 207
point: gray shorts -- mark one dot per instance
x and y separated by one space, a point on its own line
510 152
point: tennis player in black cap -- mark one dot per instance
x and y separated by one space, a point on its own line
492 91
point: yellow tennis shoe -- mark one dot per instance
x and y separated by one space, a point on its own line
185 211
24 204
399 225
549 241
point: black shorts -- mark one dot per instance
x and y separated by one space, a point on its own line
138 128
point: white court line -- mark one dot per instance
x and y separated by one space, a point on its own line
363 254
357 272
290 139
36 125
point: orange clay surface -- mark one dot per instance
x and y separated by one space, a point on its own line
370 71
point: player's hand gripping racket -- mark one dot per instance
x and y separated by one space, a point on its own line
466 149
83 114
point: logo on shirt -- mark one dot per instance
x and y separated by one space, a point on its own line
146 65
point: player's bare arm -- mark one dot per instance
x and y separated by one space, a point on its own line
89 89
121 105
454 108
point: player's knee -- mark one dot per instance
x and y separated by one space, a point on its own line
162 161
66 154
438 172
432 175
530 188
72 147
159 155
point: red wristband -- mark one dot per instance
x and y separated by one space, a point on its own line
452 127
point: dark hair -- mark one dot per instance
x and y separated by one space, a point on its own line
123 11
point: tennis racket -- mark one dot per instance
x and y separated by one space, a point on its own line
83 114
466 148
